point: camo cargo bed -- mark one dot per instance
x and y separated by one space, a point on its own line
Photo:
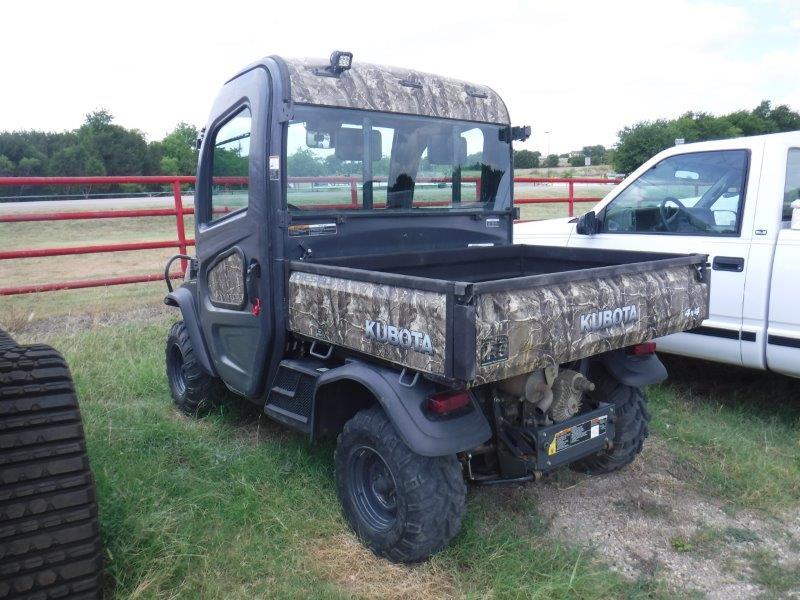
487 313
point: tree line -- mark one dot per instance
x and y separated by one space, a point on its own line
97 147
101 147
640 141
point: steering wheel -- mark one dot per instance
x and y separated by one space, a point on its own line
669 221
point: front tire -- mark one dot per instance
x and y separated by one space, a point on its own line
630 424
194 391
402 505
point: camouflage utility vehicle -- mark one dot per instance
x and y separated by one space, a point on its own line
356 277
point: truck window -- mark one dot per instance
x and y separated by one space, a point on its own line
230 165
792 190
699 193
341 159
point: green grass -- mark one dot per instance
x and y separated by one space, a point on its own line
776 577
233 506
734 435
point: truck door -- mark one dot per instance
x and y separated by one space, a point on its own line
232 233
783 339
692 202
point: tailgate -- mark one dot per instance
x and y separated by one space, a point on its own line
533 322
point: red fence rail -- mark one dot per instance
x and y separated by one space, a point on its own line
182 242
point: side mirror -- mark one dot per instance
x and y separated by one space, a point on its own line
587 224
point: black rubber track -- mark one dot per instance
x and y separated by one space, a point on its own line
631 419
431 493
201 392
49 538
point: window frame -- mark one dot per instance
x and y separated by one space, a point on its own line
741 207
208 219
784 217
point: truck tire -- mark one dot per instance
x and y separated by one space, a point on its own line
402 505
630 424
50 543
194 391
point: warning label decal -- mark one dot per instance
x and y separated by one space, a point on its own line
572 436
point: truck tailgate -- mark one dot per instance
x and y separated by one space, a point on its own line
559 320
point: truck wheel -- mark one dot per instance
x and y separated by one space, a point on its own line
630 424
194 391
403 506
49 536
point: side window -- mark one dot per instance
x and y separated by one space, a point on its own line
792 190
230 165
700 193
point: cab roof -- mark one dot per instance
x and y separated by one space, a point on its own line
390 89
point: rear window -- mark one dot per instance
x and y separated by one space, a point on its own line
342 159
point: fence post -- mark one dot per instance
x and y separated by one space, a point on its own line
176 193
353 193
571 198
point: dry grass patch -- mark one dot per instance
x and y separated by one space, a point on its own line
344 561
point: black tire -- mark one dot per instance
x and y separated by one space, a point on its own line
194 391
49 536
402 506
630 424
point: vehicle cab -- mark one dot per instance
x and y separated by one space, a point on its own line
732 200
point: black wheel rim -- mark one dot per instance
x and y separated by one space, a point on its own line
373 488
175 370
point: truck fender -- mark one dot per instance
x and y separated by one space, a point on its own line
405 408
635 371
183 298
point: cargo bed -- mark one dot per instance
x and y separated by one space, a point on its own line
482 314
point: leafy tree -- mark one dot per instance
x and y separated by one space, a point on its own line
304 163
179 150
6 166
551 161
577 160
526 159
639 142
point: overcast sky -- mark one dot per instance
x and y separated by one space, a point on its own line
581 70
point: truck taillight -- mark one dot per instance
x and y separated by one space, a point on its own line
447 402
644 349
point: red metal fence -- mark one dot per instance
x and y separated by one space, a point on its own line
181 242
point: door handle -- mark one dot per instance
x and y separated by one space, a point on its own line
250 280
728 263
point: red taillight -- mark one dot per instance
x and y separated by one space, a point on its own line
642 349
447 402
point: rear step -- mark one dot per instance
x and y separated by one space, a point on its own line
292 393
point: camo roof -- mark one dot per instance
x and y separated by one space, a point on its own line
376 87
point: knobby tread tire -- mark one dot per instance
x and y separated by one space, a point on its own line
631 418
203 392
49 536
431 492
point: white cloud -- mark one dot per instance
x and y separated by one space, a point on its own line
580 69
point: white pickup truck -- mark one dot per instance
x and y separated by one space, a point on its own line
730 199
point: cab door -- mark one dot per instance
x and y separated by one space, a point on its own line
783 341
232 235
695 202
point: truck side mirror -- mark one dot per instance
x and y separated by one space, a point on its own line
587 224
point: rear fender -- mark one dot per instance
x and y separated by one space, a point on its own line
184 299
635 371
405 408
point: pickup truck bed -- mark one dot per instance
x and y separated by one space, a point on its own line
483 314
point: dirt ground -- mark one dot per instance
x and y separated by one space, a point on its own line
646 520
